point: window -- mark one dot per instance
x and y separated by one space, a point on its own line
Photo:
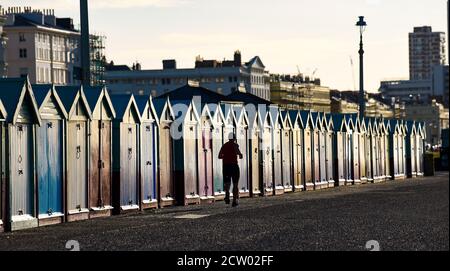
23 72
23 53
22 37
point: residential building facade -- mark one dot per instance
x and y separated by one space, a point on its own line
406 90
298 93
435 116
413 91
346 102
224 77
441 83
426 50
3 39
342 106
44 47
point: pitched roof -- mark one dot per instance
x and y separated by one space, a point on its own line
159 104
92 95
141 102
11 92
294 116
305 116
255 59
20 20
187 92
67 95
120 102
40 92
247 98
338 121
316 119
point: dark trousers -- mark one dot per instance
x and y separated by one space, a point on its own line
231 172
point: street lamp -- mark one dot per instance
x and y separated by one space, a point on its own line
362 103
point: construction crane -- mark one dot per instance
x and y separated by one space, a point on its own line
312 75
353 72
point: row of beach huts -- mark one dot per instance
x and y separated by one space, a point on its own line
74 153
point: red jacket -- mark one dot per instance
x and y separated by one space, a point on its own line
229 153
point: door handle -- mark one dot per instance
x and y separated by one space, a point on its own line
78 155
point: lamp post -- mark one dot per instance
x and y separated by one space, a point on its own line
362 103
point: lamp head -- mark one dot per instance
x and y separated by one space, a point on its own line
361 23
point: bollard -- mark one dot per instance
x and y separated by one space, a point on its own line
428 164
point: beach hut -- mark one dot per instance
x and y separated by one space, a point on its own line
316 134
377 150
362 150
242 138
3 116
308 127
166 117
277 125
77 151
266 151
217 120
402 144
392 151
340 149
184 131
22 115
126 187
329 148
229 128
254 152
358 149
287 151
395 149
100 154
148 152
369 143
384 144
229 124
323 151
205 154
297 150
420 146
261 106
50 162
411 161
353 151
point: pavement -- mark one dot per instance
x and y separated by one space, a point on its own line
412 214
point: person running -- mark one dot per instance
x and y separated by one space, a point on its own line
231 172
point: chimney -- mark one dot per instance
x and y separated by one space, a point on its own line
169 64
237 58
85 61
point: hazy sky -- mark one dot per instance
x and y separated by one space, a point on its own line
319 34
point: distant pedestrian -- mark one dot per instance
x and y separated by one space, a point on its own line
231 172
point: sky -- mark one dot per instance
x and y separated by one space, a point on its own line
317 35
